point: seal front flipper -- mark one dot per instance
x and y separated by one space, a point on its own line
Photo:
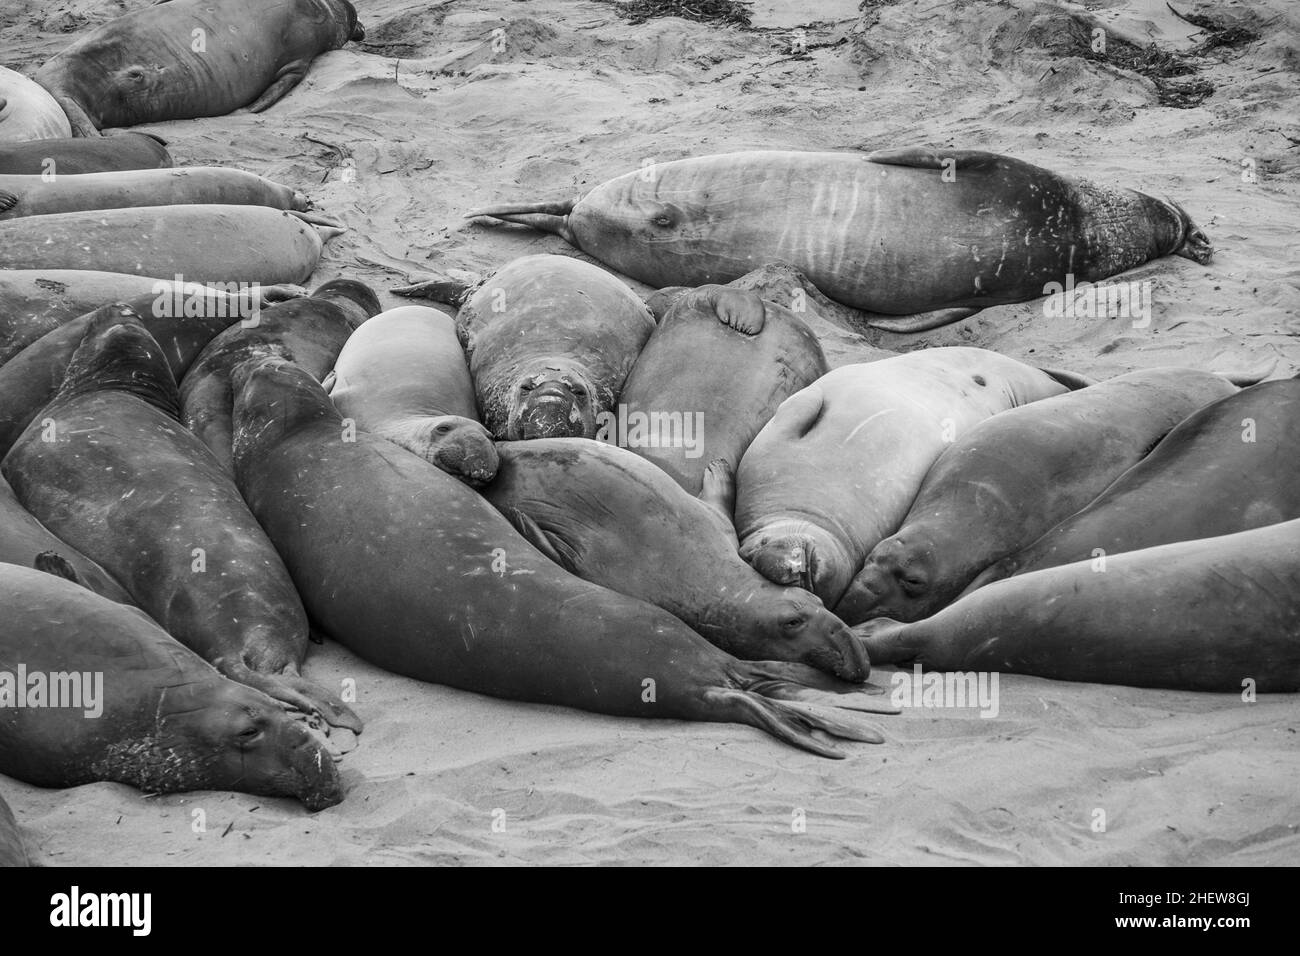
290 75
7 199
792 723
298 692
921 321
719 491
550 545
784 680
739 309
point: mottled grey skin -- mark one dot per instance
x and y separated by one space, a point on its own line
1011 478
128 486
1201 481
1210 614
142 67
616 520
169 723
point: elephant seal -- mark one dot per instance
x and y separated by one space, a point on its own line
835 470
1208 614
27 111
616 520
402 376
459 598
26 542
217 185
1229 467
204 242
934 235
550 342
309 332
190 58
115 474
713 373
164 721
12 851
1011 478
73 156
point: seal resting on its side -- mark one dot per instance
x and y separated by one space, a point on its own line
169 722
73 156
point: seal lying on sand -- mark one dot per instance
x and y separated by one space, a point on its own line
122 480
73 156
550 342
418 574
28 112
1229 467
402 376
12 851
1011 478
616 520
308 332
204 242
1209 614
935 235
189 58
714 372
835 470
35 196
164 721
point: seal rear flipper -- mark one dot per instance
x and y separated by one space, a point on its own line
923 157
542 216
298 692
7 200
550 545
791 682
118 353
920 322
738 309
788 722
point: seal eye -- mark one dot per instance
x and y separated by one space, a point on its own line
249 735
791 624
578 391
911 586
443 429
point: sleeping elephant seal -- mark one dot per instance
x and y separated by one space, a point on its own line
934 235
308 332
1011 478
1205 615
418 574
616 520
114 473
163 720
74 156
24 541
12 851
714 371
550 342
835 470
27 111
1229 467
189 58
402 376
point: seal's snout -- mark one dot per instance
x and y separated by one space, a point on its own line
868 595
358 31
319 784
1197 246
788 559
469 453
552 408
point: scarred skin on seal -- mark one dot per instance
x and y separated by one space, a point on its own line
28 112
36 196
128 486
1011 478
144 67
835 470
722 358
1195 615
402 376
169 721
309 332
616 520
435 609
934 235
1229 467
74 156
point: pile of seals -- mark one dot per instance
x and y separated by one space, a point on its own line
674 508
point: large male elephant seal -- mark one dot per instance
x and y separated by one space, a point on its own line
110 469
309 332
550 342
710 377
403 376
835 470
73 156
616 520
12 851
189 58
1211 614
899 231
418 574
1011 478
1229 467
27 111
204 242
38 196
161 719
28 543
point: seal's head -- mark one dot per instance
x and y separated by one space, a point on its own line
798 553
797 627
459 446
1192 242
350 27
895 582
555 400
